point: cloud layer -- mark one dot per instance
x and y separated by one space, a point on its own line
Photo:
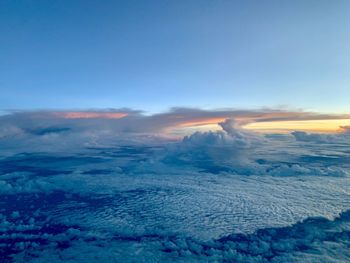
128 121
120 185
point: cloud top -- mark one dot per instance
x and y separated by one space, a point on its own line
128 120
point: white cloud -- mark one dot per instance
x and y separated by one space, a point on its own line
118 188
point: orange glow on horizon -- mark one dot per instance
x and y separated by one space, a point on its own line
201 122
318 126
247 122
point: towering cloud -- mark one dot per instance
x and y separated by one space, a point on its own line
85 185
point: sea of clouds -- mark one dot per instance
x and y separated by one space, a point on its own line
130 189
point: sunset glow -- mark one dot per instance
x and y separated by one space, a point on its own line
321 126
174 131
201 122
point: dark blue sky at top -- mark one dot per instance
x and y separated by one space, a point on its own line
152 55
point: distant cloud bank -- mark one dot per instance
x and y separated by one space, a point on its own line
135 121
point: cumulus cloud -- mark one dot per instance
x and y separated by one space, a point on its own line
61 130
309 241
314 239
39 238
231 149
134 121
231 135
342 136
78 185
238 151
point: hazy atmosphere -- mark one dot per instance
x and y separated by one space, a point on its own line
174 131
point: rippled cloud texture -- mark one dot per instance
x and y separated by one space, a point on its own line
120 185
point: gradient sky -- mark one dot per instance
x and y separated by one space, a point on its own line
152 55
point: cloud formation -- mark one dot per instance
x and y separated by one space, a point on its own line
341 137
101 187
133 121
232 149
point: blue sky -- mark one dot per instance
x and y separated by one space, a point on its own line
152 55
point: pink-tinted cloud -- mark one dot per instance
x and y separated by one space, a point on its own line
184 119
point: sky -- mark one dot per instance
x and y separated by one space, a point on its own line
153 55
182 130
